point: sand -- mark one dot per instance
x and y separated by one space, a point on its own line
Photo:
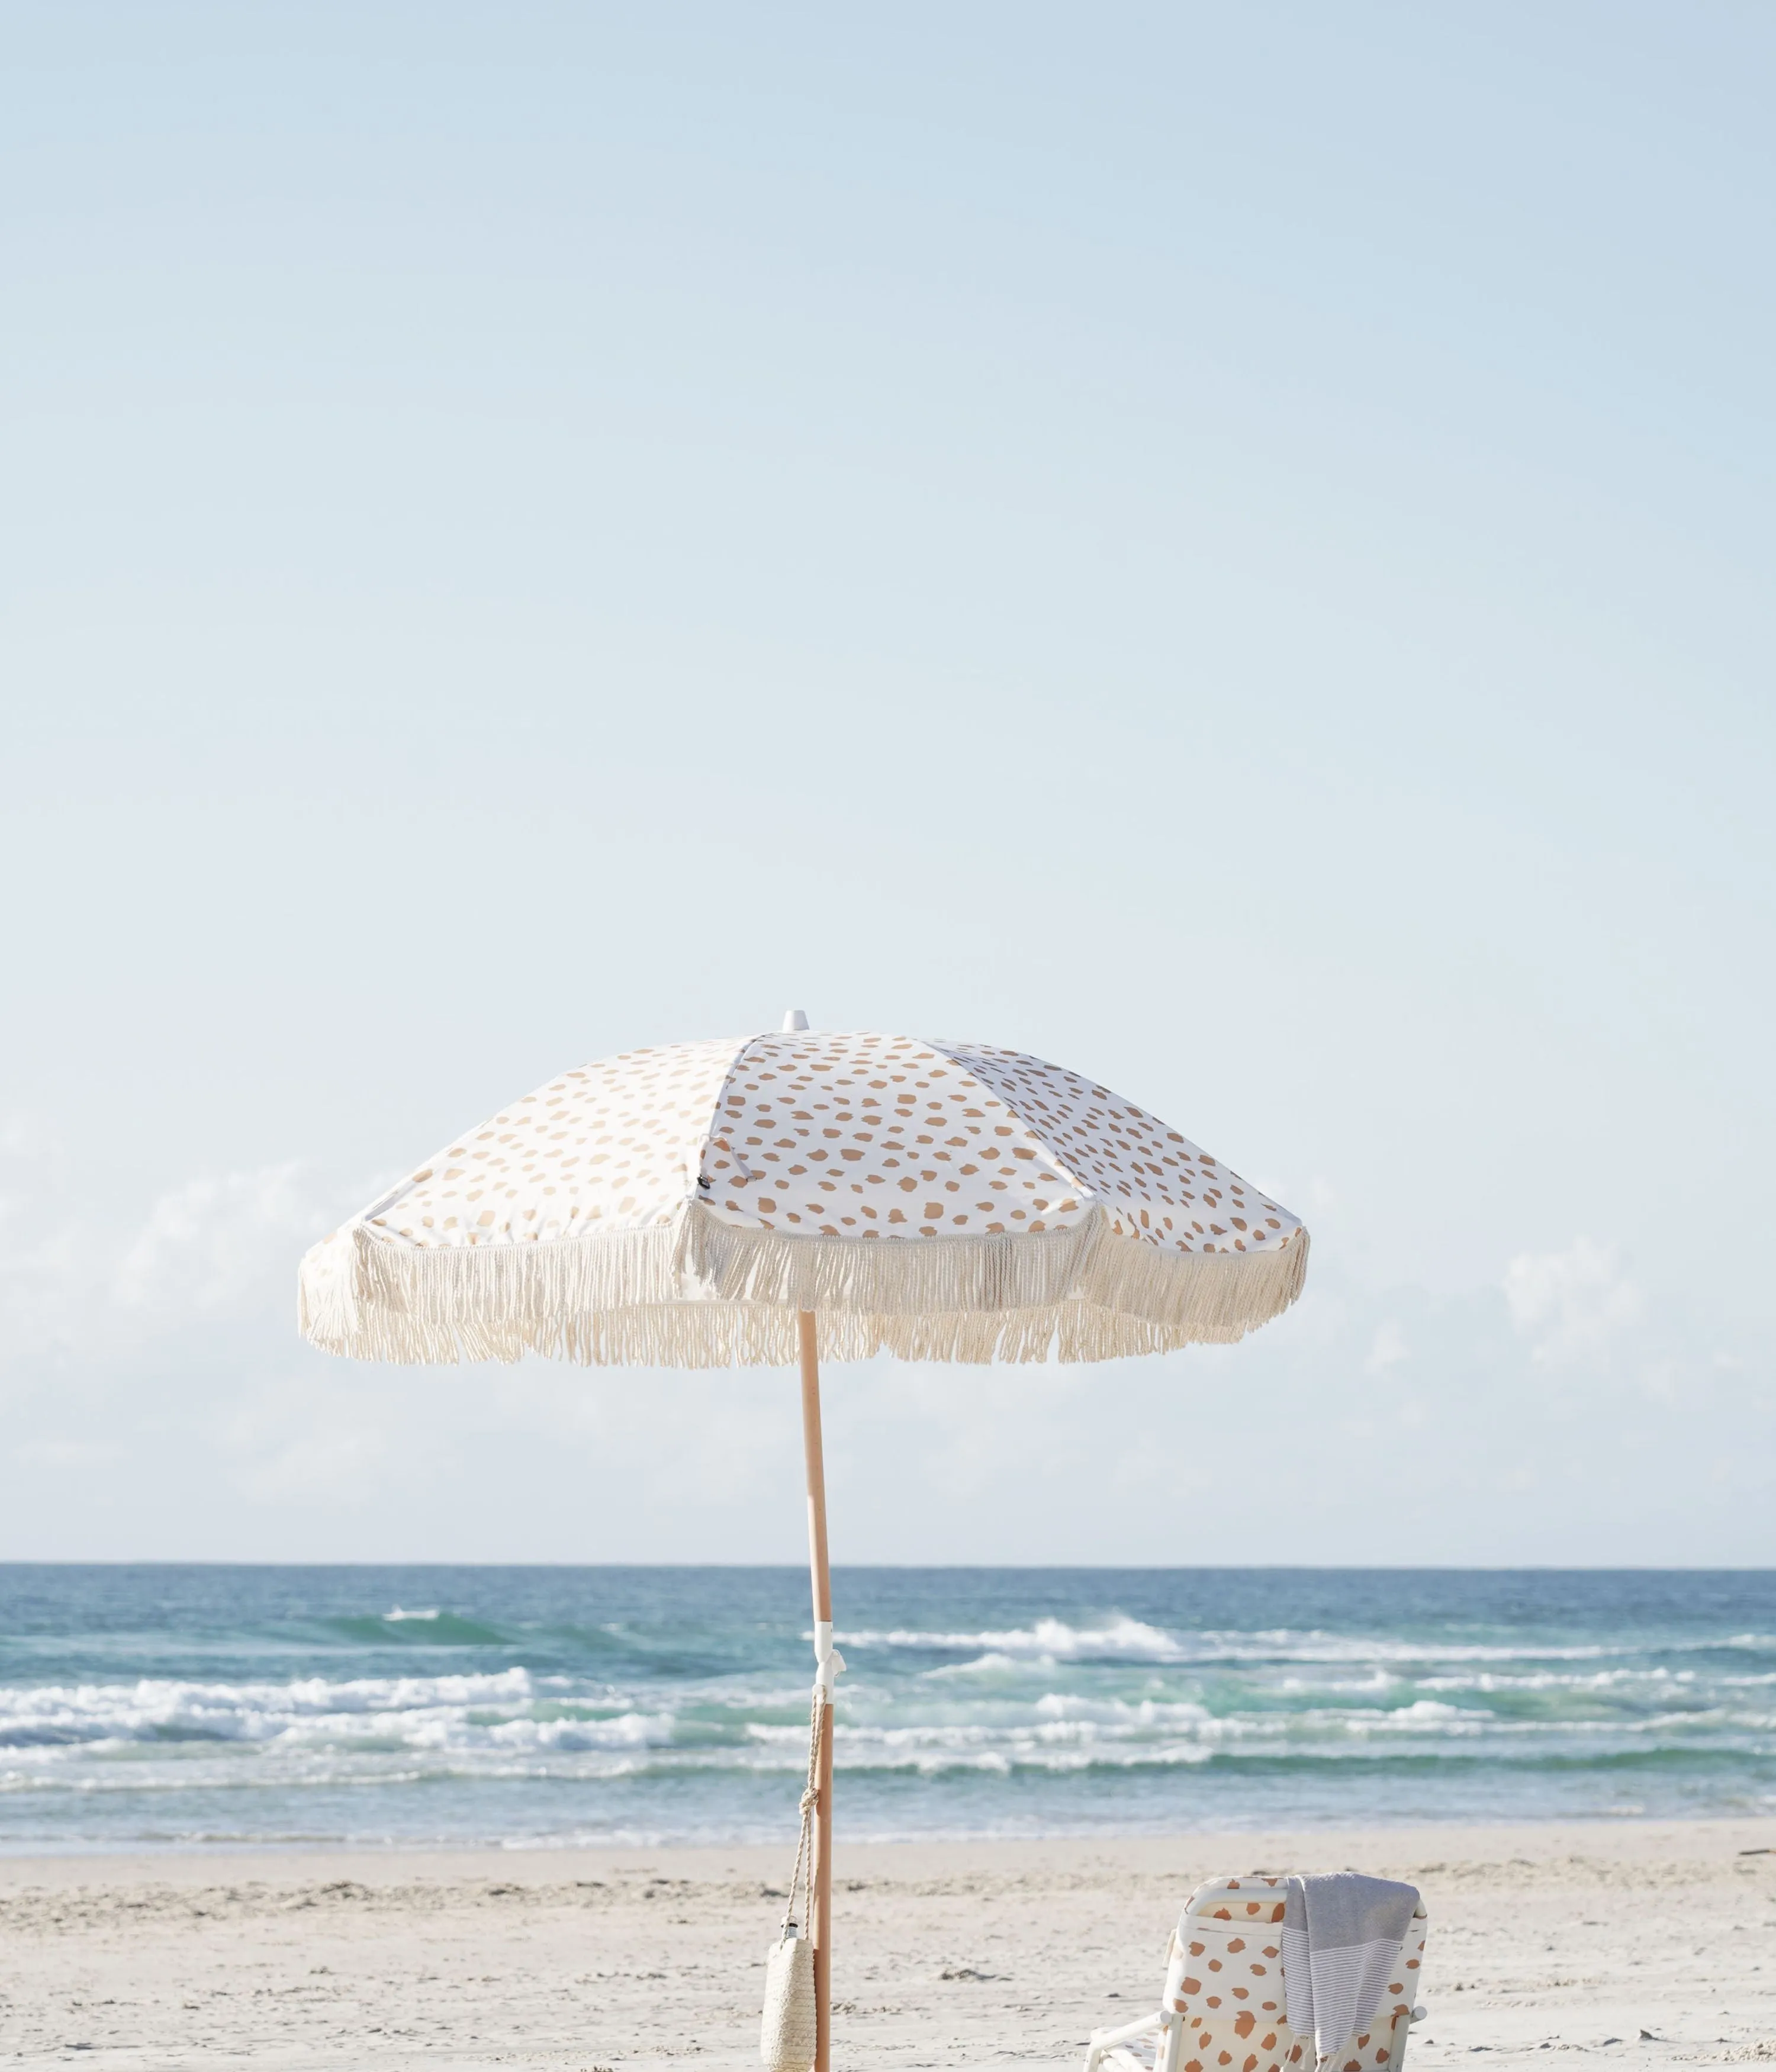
1646 1945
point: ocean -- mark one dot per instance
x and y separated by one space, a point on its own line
177 1706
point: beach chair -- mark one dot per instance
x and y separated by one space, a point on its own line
1223 2008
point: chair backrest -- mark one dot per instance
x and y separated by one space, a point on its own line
1224 1977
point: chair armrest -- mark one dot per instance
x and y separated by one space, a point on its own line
1107 2039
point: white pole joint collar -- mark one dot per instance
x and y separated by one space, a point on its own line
828 1661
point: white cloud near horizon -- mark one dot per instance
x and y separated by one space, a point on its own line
88 1277
1574 1304
154 1368
209 1243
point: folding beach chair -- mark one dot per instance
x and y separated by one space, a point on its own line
1222 2010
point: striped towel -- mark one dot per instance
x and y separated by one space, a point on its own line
1342 1935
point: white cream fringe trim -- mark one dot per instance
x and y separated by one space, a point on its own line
700 1293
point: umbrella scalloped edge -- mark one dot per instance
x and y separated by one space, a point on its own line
697 1292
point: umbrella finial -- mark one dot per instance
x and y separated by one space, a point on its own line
793 1020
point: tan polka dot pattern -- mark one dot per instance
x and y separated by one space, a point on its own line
877 1136
611 1146
830 1136
1154 1184
1224 1990
678 1206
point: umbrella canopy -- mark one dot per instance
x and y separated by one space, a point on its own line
678 1206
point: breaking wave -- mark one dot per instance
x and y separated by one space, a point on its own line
533 1706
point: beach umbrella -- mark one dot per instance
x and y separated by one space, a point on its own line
770 1200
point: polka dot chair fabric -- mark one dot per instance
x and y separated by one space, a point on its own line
677 1206
1223 2006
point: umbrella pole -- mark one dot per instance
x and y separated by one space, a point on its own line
822 1909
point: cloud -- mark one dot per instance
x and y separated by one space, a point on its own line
1390 1348
216 1241
1572 1306
163 1404
86 1283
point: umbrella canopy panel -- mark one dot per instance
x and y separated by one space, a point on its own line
678 1206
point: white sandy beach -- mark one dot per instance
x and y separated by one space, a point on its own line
1543 1938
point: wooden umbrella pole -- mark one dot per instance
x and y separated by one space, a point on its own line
822 1909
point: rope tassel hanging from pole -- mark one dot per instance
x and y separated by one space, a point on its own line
811 1798
789 2034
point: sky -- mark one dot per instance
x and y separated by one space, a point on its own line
1225 547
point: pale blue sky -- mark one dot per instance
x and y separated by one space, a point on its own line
1225 547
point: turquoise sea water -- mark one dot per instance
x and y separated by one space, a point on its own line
150 1706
